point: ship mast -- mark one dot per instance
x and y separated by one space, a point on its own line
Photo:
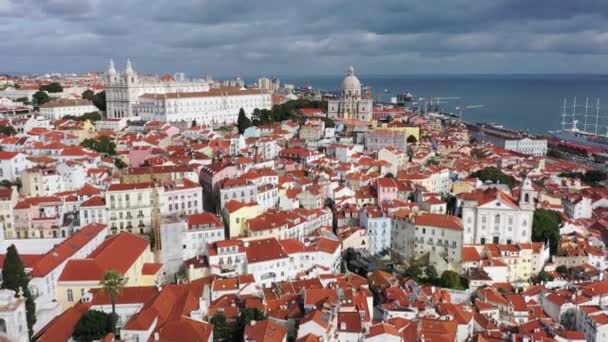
597 114
586 112
564 115
574 114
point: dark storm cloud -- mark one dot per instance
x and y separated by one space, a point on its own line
245 37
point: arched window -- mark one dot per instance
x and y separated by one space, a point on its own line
497 219
527 198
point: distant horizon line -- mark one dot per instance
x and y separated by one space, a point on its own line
223 77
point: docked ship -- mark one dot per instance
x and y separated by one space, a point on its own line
570 133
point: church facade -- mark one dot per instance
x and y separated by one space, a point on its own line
167 99
352 102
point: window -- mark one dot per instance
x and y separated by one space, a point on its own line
70 295
2 326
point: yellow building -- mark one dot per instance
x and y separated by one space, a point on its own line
518 259
125 253
395 126
237 213
82 129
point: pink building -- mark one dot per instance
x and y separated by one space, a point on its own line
138 155
387 189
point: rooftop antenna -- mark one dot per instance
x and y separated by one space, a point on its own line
564 115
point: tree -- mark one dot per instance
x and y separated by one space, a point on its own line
54 87
562 269
568 319
14 278
221 330
88 94
389 175
495 175
247 315
99 100
92 326
119 163
451 279
250 314
40 97
7 130
103 145
431 272
91 116
23 99
412 139
413 271
545 226
243 122
112 284
543 276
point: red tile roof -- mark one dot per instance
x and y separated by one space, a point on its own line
265 331
438 220
264 250
62 327
66 249
118 253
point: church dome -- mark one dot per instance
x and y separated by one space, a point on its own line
351 82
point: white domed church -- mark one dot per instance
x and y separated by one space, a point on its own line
352 103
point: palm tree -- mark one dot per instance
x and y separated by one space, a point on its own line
112 284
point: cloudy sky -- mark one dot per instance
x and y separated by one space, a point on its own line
310 37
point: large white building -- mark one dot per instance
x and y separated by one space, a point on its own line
57 109
352 103
166 99
491 216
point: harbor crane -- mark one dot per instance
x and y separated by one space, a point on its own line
461 109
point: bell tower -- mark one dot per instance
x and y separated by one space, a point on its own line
527 195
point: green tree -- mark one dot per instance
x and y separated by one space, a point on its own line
451 279
103 145
88 94
431 272
568 319
495 175
92 326
562 269
7 130
413 271
221 329
112 284
119 163
54 87
545 226
247 315
14 278
40 97
243 122
99 100
412 139
23 99
91 116
543 276
593 177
